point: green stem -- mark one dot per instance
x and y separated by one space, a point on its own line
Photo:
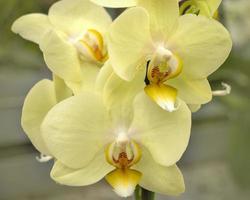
138 193
147 195
143 194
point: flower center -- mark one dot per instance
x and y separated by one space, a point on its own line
90 45
122 154
163 66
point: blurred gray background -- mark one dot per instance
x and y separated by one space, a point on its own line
216 165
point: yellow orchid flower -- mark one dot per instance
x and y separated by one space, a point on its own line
130 142
179 52
71 36
207 8
41 98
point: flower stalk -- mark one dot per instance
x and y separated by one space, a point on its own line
143 194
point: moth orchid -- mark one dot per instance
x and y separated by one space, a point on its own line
179 52
71 36
130 142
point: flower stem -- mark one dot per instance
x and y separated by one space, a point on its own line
143 194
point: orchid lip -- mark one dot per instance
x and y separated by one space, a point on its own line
164 95
123 153
164 65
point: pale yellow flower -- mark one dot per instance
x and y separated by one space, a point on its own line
129 142
179 52
71 36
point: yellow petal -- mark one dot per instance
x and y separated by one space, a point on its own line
105 72
192 91
163 16
129 46
89 73
115 3
76 129
164 134
38 102
194 107
123 181
119 94
202 44
163 95
158 178
92 173
73 17
61 56
213 5
61 89
32 26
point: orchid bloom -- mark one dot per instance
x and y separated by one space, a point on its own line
41 98
178 52
129 142
71 36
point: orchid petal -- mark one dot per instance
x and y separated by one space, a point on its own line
203 44
163 16
32 26
158 178
164 134
38 102
73 17
90 174
61 56
213 5
115 3
76 129
127 45
192 91
61 90
119 94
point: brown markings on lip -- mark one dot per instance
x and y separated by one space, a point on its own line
123 162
